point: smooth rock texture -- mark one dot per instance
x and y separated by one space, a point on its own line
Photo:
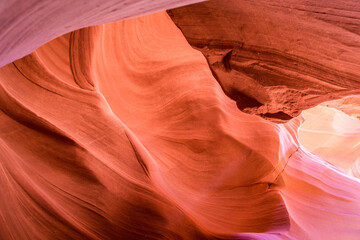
121 131
126 140
277 58
27 24
334 136
349 105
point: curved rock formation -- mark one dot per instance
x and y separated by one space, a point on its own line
27 24
121 131
334 136
150 131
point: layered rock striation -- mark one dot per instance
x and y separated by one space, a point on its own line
277 59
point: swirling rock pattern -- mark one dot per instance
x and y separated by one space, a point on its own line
121 131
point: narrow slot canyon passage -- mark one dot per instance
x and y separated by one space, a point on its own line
180 120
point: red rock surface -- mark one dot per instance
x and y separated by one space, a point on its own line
121 131
277 58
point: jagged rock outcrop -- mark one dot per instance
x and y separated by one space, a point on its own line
276 59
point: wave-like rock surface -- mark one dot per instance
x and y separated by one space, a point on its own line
130 136
120 131
334 136
277 58
27 24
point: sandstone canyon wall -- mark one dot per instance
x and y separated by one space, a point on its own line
124 131
277 58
